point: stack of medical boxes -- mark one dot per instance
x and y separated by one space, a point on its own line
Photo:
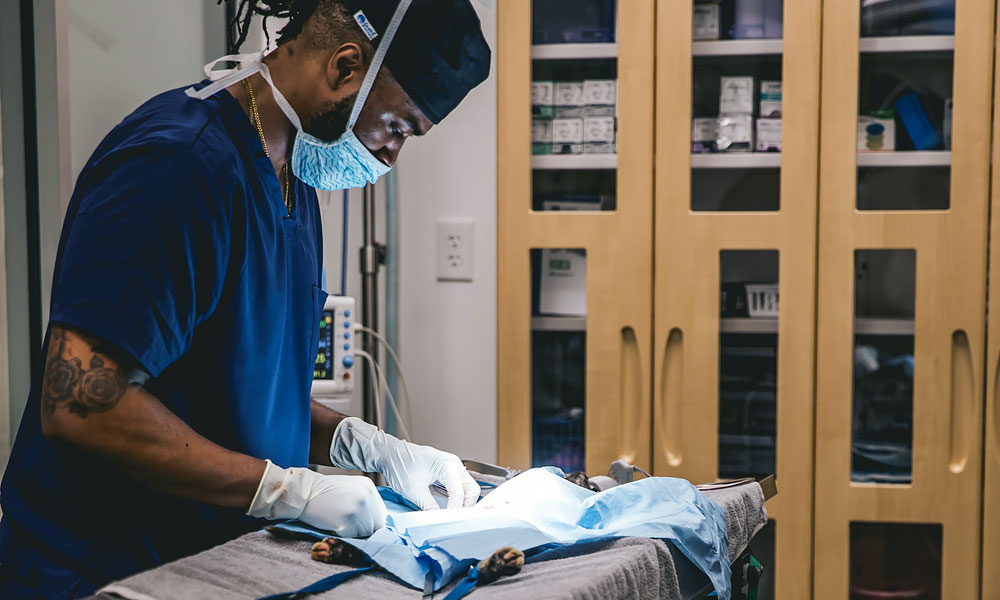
733 129
877 131
573 117
707 21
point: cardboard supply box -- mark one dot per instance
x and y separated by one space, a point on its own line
704 135
768 135
567 136
736 95
563 286
569 99
569 93
541 136
735 133
877 132
770 99
543 99
600 92
598 135
706 19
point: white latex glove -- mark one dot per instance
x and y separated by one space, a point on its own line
348 505
408 468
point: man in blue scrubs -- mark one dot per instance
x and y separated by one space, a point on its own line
172 411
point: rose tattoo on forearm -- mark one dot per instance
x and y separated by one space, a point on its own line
67 384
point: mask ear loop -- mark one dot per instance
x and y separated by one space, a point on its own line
373 69
283 103
223 78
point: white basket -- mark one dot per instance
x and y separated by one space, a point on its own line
762 299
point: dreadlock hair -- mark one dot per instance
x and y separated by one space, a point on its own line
331 23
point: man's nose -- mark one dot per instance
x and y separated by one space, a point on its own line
389 152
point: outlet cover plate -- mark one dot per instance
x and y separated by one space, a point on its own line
455 249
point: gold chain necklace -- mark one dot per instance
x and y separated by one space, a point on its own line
286 175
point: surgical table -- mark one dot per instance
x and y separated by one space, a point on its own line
258 564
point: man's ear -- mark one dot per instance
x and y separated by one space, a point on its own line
346 69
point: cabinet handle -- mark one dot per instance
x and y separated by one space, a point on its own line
962 401
672 397
631 397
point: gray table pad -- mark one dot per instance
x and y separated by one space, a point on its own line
257 564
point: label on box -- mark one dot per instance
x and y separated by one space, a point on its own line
704 134
768 135
876 134
541 131
567 131
600 92
736 96
599 129
569 93
735 133
599 111
598 148
706 22
770 98
570 112
542 93
563 286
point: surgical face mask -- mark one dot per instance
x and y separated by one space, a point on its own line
341 164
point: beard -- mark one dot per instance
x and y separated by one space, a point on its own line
330 124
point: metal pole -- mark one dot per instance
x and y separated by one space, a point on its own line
369 299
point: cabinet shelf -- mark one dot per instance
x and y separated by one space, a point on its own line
737 160
558 323
907 43
884 326
736 47
926 158
573 51
575 161
748 325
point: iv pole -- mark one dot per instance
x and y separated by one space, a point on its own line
372 256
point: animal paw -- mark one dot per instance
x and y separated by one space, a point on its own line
336 552
504 562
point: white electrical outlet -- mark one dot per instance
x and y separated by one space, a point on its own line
455 245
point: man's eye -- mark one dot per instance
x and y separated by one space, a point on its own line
396 132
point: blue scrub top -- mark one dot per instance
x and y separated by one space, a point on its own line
177 248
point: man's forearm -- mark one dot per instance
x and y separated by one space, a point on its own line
87 402
324 423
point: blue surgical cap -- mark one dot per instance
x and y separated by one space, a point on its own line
439 53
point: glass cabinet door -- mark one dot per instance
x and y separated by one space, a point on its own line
735 219
991 453
574 235
902 260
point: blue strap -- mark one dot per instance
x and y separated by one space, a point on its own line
465 586
323 585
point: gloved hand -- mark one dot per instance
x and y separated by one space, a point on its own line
348 505
408 468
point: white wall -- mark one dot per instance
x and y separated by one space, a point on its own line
123 53
448 329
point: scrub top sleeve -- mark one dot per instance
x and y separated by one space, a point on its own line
144 254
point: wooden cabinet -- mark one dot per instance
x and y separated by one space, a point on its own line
898 459
770 235
855 370
618 243
991 453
